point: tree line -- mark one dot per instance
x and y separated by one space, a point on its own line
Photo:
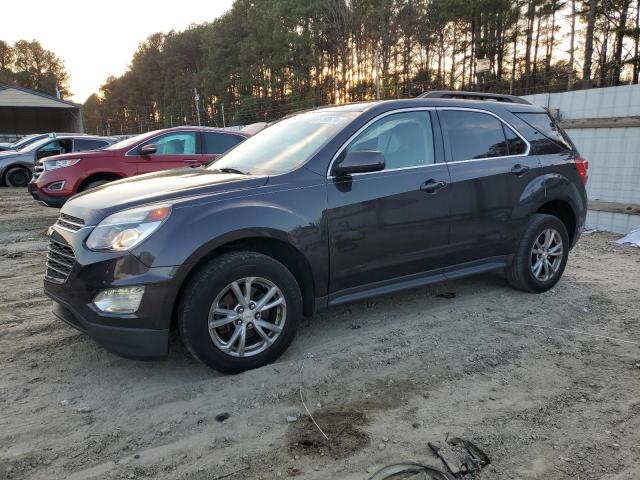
30 65
266 58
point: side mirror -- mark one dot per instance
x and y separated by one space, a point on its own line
362 161
149 149
48 153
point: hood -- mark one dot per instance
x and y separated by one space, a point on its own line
170 186
13 154
8 153
86 154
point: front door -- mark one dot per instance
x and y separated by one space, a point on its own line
173 150
489 169
393 223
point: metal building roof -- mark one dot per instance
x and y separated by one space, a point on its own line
14 96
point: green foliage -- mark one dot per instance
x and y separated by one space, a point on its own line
29 65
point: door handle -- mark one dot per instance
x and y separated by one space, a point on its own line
190 160
519 170
432 187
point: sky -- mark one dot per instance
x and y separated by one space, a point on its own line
98 39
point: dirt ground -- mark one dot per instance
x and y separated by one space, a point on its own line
382 377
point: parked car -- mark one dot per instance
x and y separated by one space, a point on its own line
16 166
57 179
321 208
28 139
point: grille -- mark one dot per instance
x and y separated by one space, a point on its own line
70 223
37 171
60 261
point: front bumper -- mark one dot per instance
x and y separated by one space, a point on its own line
143 335
47 200
133 343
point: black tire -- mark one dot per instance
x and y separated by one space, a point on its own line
521 275
94 184
209 282
17 177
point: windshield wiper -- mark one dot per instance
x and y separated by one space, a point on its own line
232 170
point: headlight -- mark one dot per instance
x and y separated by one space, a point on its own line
124 230
55 164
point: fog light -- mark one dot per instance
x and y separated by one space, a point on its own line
119 300
56 186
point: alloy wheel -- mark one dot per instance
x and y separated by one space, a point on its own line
247 316
546 254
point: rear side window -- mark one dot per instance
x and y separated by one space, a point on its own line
474 135
82 145
217 143
544 124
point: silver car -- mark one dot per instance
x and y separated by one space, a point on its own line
16 167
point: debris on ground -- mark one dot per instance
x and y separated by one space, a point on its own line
221 417
632 239
403 470
460 456
446 295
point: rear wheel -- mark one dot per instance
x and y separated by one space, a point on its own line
240 311
541 256
17 177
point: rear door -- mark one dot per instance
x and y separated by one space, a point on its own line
490 168
173 150
393 223
215 144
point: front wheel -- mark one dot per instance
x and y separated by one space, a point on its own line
17 177
240 311
541 256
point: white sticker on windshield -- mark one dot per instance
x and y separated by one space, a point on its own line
330 119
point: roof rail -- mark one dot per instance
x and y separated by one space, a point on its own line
495 97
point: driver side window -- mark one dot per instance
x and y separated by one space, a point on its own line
177 143
405 139
61 146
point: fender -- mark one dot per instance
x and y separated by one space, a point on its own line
4 169
180 244
559 187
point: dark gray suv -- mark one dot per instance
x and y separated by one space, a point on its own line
321 208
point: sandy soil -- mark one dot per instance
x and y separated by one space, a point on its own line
382 377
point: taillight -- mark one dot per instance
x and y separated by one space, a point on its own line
582 165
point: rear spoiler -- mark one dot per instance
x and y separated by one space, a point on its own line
492 97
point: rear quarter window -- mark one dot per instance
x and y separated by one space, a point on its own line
554 140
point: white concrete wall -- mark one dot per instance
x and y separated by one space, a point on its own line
613 153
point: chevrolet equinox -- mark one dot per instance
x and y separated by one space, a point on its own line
321 208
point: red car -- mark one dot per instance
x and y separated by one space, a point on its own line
60 177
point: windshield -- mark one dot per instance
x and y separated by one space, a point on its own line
285 145
37 144
127 142
23 142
